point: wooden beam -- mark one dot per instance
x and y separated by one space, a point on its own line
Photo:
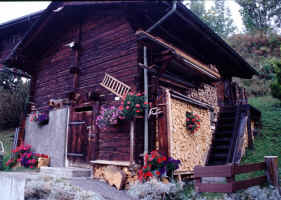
109 162
132 142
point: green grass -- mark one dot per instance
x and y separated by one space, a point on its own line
268 142
6 137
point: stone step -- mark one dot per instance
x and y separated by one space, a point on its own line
67 172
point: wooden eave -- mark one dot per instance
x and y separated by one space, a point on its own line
179 55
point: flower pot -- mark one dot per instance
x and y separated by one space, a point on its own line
43 162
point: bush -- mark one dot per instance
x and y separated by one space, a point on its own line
276 85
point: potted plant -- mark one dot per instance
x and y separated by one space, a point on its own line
192 122
133 106
158 166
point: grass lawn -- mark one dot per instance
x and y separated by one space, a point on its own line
268 143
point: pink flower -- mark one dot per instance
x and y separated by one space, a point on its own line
127 107
137 111
137 105
138 94
128 102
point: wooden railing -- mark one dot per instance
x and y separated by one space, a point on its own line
229 172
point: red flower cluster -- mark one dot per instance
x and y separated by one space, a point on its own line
192 122
132 106
153 166
25 157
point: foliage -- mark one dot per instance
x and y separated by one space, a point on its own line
218 18
157 165
13 105
268 141
260 15
133 105
260 51
24 156
11 78
276 85
192 122
108 116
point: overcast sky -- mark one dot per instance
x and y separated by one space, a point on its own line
12 10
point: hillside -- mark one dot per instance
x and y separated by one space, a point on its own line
269 141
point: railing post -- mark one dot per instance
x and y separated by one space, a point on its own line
271 171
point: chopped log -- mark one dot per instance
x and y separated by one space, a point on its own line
114 176
272 171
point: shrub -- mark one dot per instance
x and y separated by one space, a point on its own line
13 105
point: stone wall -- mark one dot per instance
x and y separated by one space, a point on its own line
190 149
51 138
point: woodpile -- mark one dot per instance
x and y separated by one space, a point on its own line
104 172
190 149
114 176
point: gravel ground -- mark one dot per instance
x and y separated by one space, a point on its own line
154 190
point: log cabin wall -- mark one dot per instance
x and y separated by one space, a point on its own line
108 45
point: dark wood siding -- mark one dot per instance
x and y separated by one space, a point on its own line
108 44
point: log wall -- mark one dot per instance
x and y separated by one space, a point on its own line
108 45
190 149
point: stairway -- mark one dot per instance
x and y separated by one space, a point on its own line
220 151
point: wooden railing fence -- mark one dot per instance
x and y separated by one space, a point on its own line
229 172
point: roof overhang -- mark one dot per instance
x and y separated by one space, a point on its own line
180 56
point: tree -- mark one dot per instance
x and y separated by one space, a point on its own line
218 18
260 15
14 97
276 85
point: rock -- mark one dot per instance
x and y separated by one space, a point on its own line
114 176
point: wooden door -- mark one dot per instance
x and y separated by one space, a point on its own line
79 134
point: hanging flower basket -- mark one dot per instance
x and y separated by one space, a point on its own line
41 118
192 122
108 117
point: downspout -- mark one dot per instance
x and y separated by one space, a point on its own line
173 9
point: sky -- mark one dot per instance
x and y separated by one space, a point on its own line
13 10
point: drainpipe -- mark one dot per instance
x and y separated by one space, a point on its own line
174 7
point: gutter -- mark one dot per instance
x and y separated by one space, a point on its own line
173 9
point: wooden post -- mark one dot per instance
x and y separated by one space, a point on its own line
271 163
132 141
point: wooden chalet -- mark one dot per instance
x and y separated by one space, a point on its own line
157 47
